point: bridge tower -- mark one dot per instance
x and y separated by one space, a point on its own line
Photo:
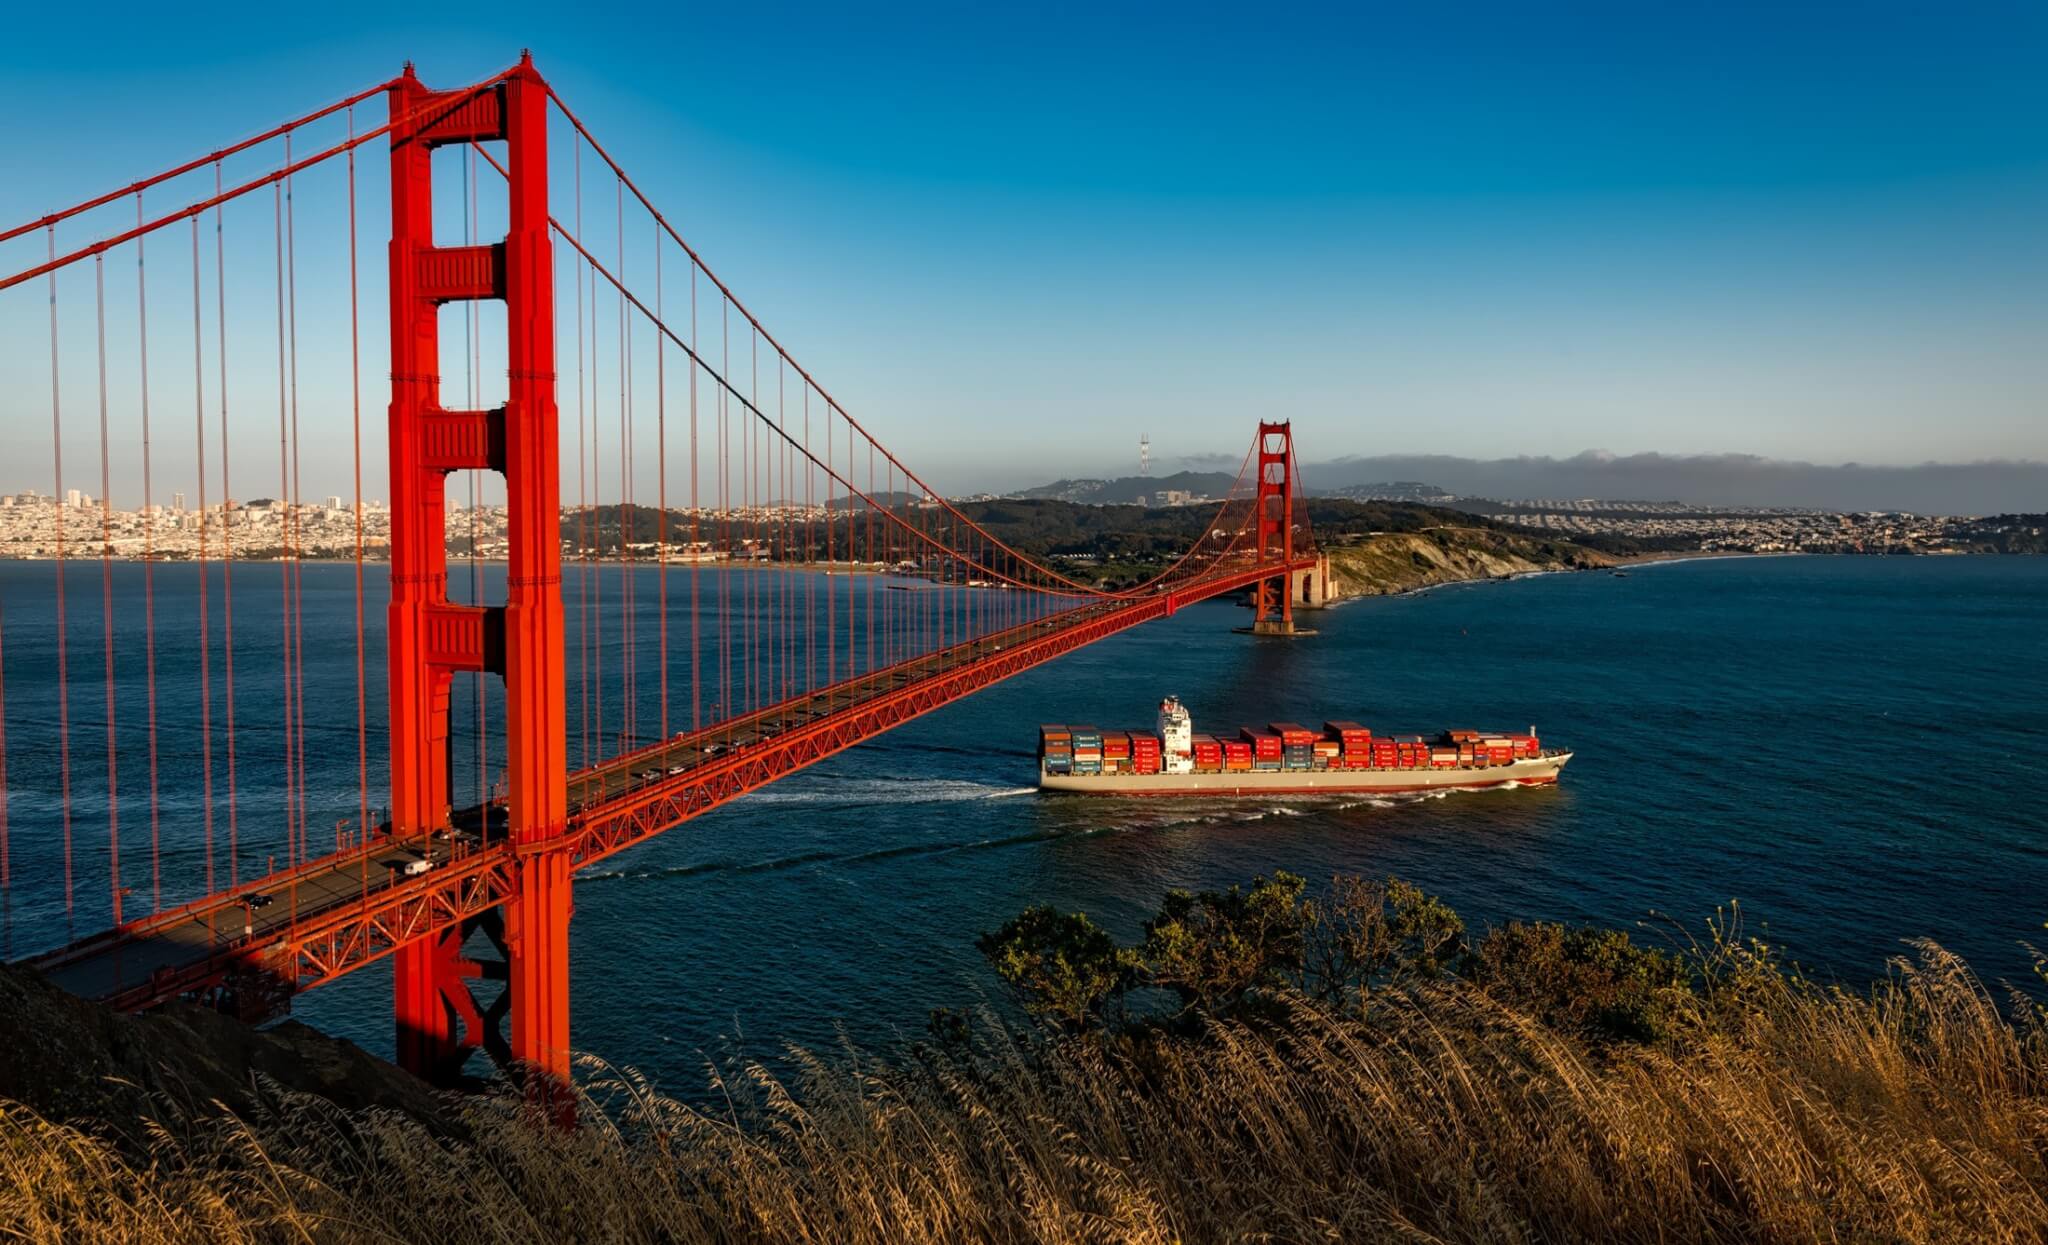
439 1022
1273 599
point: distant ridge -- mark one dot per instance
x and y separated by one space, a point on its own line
1129 489
1395 490
1709 481
1702 481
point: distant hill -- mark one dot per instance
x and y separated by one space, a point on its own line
1129 490
1396 490
1706 482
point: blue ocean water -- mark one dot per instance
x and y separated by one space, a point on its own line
1852 747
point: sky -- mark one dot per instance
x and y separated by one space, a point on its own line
1013 238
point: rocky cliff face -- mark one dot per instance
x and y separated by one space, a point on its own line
1382 564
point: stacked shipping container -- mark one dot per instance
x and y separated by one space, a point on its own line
1297 745
1056 748
1144 752
1354 743
1266 747
1087 750
1116 752
1279 745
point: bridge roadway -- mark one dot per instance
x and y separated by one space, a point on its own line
150 960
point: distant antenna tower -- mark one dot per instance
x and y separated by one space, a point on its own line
1144 453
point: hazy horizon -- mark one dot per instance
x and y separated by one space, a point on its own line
1984 487
1734 480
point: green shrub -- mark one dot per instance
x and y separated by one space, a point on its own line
1062 966
1212 948
1594 982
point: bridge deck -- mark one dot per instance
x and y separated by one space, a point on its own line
306 925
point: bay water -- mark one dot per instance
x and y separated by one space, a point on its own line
1853 748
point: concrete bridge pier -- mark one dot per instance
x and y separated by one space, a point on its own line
1307 589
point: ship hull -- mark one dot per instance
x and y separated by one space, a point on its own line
1529 771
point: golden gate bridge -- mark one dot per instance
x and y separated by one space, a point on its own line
752 671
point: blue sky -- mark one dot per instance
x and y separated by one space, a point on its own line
1014 238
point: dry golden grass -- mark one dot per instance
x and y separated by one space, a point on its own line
1784 1112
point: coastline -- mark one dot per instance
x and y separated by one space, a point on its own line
1631 561
1715 555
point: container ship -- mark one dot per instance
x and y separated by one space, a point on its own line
1284 757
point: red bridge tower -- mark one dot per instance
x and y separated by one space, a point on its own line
1274 520
439 1021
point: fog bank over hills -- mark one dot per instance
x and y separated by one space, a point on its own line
1991 487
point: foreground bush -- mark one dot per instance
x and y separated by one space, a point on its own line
1431 1107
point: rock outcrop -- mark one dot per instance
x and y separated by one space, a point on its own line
1385 563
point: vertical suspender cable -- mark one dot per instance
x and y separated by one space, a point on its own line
6 864
775 598
99 280
787 502
750 652
582 500
810 555
284 583
627 721
831 548
296 567
205 629
597 510
725 545
871 577
355 393
156 870
661 482
852 558
885 560
696 529
227 531
58 502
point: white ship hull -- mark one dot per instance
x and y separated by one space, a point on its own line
1528 771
